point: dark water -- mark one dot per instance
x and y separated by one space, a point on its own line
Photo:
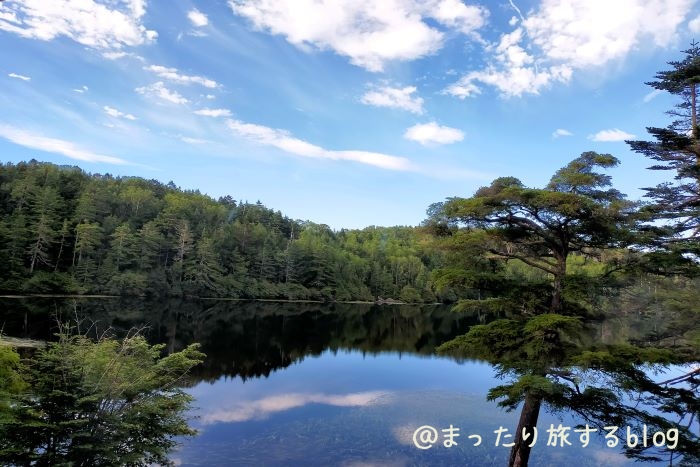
346 385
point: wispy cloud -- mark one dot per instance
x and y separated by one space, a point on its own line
53 145
611 136
114 55
432 133
396 98
650 96
172 74
197 18
110 25
112 112
213 112
81 90
283 140
16 76
561 132
159 91
189 140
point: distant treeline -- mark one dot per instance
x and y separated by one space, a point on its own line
63 230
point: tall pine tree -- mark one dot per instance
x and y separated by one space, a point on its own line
676 148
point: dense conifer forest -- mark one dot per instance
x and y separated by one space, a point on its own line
63 230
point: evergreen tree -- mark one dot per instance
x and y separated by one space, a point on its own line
575 212
94 403
676 148
43 228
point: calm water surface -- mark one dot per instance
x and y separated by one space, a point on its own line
312 384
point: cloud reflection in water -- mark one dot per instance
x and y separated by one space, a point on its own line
263 408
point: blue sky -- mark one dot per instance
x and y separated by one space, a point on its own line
344 112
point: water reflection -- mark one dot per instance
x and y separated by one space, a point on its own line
249 339
262 408
315 384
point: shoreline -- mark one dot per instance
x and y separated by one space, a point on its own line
388 301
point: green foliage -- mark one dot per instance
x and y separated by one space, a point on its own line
575 212
410 295
676 148
500 339
548 333
574 234
44 282
128 283
539 387
10 378
11 382
99 403
131 236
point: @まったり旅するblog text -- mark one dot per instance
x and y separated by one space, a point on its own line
426 436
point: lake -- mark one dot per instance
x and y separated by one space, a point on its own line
335 384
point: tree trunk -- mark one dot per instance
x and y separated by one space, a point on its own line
694 121
558 285
520 452
35 252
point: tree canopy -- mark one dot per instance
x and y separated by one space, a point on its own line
676 148
65 231
576 212
99 403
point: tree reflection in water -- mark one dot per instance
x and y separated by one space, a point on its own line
550 361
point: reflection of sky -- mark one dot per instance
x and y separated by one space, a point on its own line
263 408
361 411
348 372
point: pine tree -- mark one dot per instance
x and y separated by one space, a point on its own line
676 148
575 212
42 230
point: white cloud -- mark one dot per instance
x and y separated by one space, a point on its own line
210 96
114 55
370 34
213 112
562 36
611 136
512 70
593 32
53 145
694 25
561 132
81 89
263 408
284 141
455 14
173 75
160 91
432 133
112 112
189 140
650 96
16 76
397 98
111 25
197 18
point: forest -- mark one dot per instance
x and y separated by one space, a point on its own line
543 261
63 230
575 246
